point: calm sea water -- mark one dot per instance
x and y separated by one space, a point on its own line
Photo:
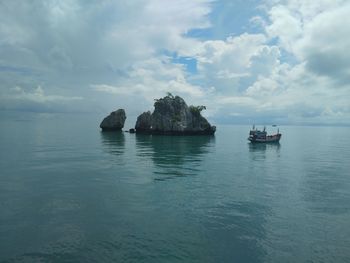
69 193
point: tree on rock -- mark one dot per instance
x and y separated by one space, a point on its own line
172 116
196 110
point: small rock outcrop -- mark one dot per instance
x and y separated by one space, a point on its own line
114 121
172 116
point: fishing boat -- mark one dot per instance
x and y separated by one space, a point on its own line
257 136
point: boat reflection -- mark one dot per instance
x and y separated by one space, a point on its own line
256 147
260 151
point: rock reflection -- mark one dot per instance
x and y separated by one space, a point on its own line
174 156
113 142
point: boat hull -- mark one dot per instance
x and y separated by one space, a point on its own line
269 139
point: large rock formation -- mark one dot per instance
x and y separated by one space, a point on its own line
144 122
172 116
114 121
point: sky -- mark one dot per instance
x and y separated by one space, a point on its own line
247 61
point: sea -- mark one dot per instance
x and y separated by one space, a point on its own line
71 193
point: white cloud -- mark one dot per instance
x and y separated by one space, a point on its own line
223 64
36 95
76 44
286 26
238 101
112 90
37 100
257 21
326 42
304 78
231 56
262 87
93 34
294 66
153 78
315 32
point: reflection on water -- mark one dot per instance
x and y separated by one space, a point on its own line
174 156
255 147
324 190
78 195
259 151
238 228
326 180
113 142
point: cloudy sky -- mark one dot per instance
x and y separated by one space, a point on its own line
268 61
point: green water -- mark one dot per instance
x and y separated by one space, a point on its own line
69 193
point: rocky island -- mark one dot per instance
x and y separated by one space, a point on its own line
114 121
172 116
